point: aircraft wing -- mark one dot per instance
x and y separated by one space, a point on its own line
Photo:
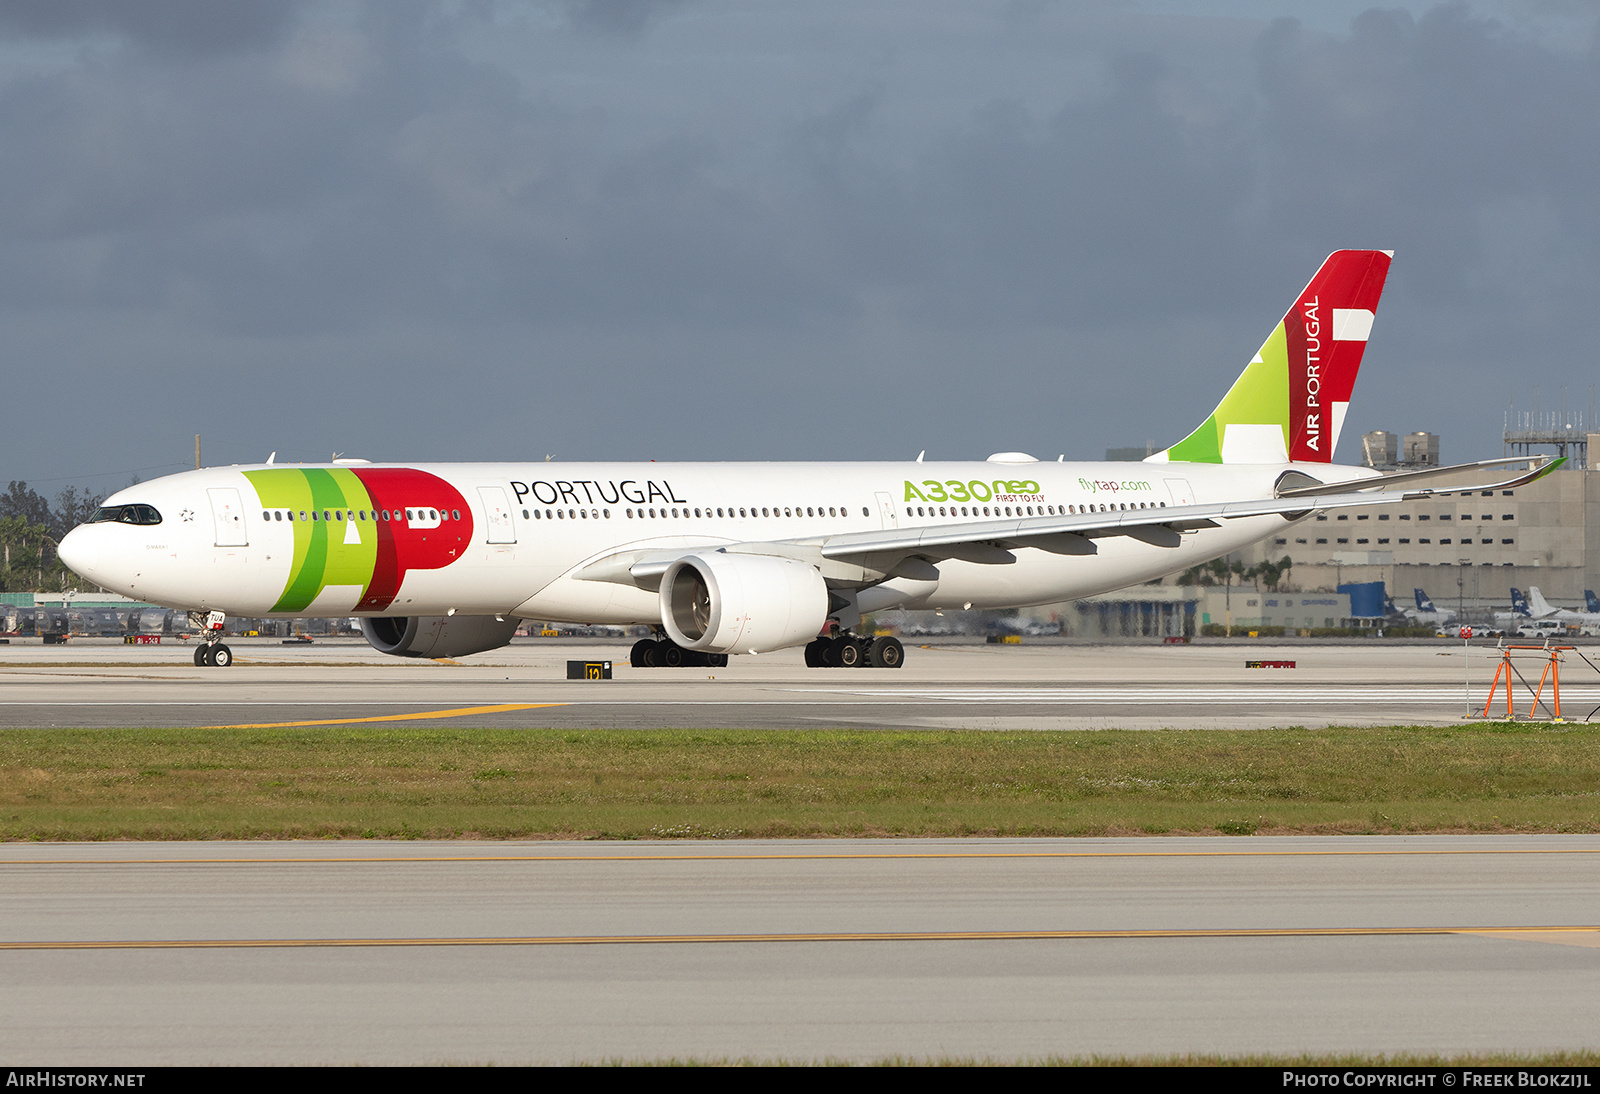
1071 535
992 541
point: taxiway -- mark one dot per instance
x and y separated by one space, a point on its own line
1045 686
396 953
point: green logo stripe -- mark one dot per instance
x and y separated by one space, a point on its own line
327 552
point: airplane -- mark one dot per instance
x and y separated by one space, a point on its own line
443 560
1519 604
1543 609
1425 613
1519 613
1590 601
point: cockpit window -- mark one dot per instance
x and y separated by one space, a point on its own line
126 514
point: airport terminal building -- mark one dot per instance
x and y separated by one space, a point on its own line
1465 549
1469 548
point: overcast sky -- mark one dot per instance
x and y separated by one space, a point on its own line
707 230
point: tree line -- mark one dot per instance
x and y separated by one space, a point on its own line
30 533
1222 572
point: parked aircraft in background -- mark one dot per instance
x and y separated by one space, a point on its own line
1590 601
1519 612
444 559
1426 614
1519 604
1543 609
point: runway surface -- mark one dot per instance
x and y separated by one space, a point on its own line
394 953
487 952
942 686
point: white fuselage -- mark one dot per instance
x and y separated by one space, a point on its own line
510 539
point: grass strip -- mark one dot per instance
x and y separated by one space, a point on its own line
353 781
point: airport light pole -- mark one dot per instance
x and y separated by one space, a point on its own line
1227 592
1461 590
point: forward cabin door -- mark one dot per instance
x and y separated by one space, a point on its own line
496 515
886 512
228 516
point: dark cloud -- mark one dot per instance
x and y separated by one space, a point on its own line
779 234
1051 219
1421 129
623 18
183 27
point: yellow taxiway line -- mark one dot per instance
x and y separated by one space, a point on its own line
458 712
1531 933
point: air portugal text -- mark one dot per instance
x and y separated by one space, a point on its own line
1313 324
592 491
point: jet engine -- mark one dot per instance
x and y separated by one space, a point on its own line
437 635
722 603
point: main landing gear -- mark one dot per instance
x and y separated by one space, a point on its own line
213 654
842 651
657 653
849 651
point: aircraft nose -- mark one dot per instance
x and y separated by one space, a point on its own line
80 550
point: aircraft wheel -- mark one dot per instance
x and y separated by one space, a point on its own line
200 655
643 654
717 660
220 656
671 655
887 653
849 653
816 650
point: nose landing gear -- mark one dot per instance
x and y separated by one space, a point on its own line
213 654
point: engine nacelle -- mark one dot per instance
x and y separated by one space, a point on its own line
722 603
437 635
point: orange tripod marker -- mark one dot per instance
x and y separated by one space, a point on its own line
1551 675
